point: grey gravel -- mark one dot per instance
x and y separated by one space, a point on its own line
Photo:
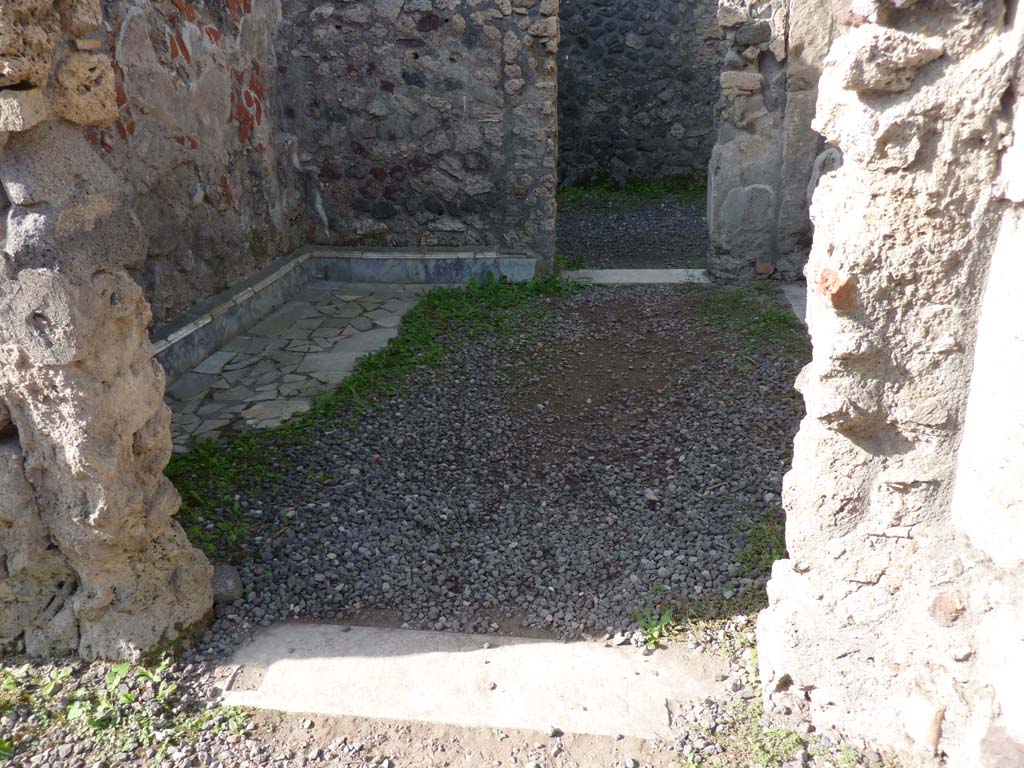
662 233
550 486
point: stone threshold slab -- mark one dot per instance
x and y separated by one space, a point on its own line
490 681
638 276
188 339
796 295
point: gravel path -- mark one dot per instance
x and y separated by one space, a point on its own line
661 233
551 486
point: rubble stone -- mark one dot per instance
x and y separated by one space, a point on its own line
85 89
765 138
20 110
637 86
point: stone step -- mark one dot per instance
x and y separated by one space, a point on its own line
638 276
492 681
422 265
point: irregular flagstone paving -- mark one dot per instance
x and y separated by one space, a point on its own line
276 368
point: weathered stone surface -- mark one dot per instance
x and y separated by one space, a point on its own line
898 602
765 136
94 446
29 30
873 58
742 81
732 14
93 560
801 146
742 191
20 110
37 579
227 584
80 17
199 147
637 85
85 89
745 219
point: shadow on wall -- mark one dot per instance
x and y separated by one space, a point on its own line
767 161
637 86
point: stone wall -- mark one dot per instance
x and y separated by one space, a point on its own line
637 87
196 145
768 159
898 615
91 559
157 151
229 155
425 122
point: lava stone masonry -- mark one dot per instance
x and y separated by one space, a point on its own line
428 122
638 83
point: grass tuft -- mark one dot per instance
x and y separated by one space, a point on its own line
755 312
563 262
132 708
766 543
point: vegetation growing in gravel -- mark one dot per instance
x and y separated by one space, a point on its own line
744 738
563 262
112 709
766 543
705 619
756 312
209 473
631 194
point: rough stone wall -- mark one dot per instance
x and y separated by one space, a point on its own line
898 615
196 143
91 559
637 87
768 159
425 122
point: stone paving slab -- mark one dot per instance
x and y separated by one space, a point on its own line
276 368
468 680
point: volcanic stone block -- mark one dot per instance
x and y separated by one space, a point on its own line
21 110
85 89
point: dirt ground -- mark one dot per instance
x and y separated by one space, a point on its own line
419 745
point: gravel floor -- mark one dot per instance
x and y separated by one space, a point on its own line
551 486
552 483
662 233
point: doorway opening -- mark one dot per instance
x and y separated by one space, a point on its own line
638 83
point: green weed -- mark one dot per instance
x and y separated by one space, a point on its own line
131 709
657 626
567 263
766 543
754 311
